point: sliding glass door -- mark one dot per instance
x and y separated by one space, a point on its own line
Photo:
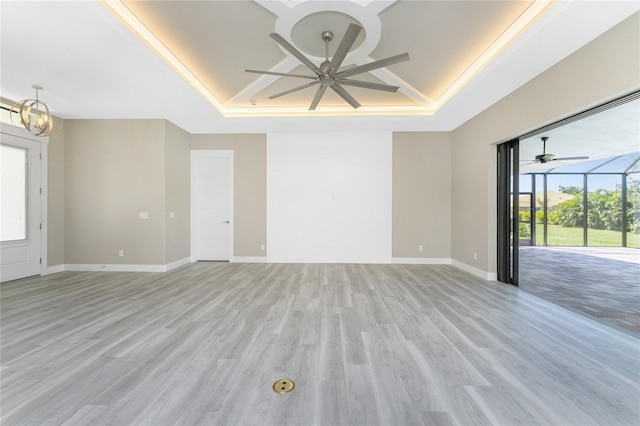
508 212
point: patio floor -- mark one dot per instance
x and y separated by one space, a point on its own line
600 282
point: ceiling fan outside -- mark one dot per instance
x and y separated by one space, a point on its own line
328 74
545 158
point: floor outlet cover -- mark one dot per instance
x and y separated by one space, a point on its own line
283 386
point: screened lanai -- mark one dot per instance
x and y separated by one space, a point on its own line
579 219
591 203
580 238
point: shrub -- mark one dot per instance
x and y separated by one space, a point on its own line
570 212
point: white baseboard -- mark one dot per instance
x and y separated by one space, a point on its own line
248 259
489 276
336 260
421 261
177 264
53 269
120 267
85 267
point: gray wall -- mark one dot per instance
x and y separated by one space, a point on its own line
604 69
177 192
103 172
55 200
421 195
115 169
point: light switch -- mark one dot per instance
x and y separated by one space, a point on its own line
144 215
172 215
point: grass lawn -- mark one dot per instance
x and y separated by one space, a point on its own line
560 236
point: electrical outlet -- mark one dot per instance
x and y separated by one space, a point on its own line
121 253
420 247
475 256
261 247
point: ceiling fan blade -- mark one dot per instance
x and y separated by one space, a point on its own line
316 99
374 65
283 74
295 52
347 41
367 85
583 157
295 89
344 95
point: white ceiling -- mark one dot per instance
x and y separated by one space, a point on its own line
93 66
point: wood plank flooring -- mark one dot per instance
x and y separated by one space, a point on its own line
365 345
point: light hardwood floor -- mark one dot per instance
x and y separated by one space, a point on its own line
365 344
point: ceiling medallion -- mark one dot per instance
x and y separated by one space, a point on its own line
328 74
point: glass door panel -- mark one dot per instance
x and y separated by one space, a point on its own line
526 229
604 210
565 210
13 184
539 209
633 210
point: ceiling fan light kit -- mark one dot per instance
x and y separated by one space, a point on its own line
328 74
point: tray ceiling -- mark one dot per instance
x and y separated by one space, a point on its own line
211 43
184 61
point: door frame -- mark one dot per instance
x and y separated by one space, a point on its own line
8 129
211 153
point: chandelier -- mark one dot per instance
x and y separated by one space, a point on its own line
33 115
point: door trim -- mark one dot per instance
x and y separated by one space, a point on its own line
14 131
212 153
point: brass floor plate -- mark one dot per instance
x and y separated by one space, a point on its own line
283 386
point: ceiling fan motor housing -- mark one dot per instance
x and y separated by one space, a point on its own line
545 158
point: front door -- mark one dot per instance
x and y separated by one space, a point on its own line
211 205
20 207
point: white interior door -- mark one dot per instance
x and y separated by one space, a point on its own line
20 207
212 205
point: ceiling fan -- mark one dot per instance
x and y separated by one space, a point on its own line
328 74
545 158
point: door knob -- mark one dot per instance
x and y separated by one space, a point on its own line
226 221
